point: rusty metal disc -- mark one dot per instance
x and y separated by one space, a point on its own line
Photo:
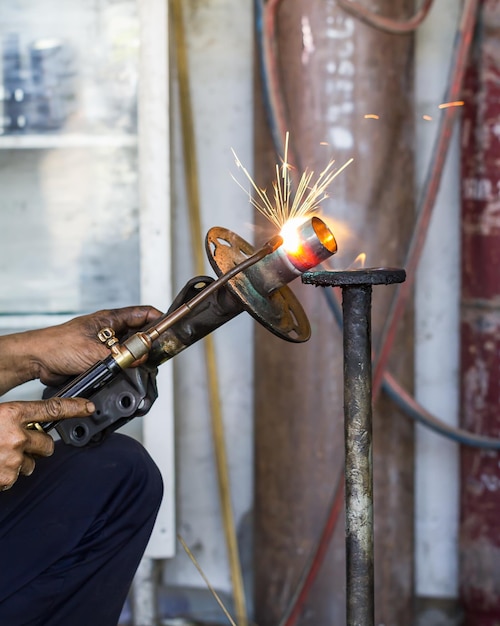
280 311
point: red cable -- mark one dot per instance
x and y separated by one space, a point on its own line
297 603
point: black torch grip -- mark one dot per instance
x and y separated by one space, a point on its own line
85 385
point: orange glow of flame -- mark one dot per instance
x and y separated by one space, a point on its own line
360 261
455 103
371 116
340 228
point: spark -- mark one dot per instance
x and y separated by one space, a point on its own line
371 116
455 103
284 206
427 118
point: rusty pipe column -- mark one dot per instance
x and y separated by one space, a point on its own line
480 325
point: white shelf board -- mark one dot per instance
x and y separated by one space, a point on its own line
67 140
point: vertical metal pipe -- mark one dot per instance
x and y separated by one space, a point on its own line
356 306
359 532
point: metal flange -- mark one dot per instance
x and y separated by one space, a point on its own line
346 278
278 310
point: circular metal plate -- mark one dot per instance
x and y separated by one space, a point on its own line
346 278
280 311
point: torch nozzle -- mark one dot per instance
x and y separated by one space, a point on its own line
274 243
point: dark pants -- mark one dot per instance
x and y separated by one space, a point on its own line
73 533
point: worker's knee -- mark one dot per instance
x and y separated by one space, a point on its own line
122 463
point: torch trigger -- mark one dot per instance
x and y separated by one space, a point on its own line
191 289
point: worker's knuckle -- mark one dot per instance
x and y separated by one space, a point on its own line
10 474
6 482
54 408
11 462
12 411
16 439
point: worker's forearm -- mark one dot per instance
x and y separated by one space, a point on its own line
18 359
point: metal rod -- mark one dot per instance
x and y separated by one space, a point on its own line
356 306
356 288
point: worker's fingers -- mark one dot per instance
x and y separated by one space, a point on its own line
71 348
28 464
48 410
25 466
37 443
13 457
131 317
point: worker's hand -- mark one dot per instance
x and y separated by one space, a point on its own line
53 354
73 347
20 446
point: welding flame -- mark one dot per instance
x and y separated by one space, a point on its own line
290 233
285 206
359 262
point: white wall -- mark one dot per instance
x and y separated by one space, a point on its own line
437 308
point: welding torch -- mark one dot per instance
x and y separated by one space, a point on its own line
123 386
138 345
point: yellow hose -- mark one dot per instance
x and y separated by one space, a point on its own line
192 190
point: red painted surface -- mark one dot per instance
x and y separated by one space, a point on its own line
480 324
